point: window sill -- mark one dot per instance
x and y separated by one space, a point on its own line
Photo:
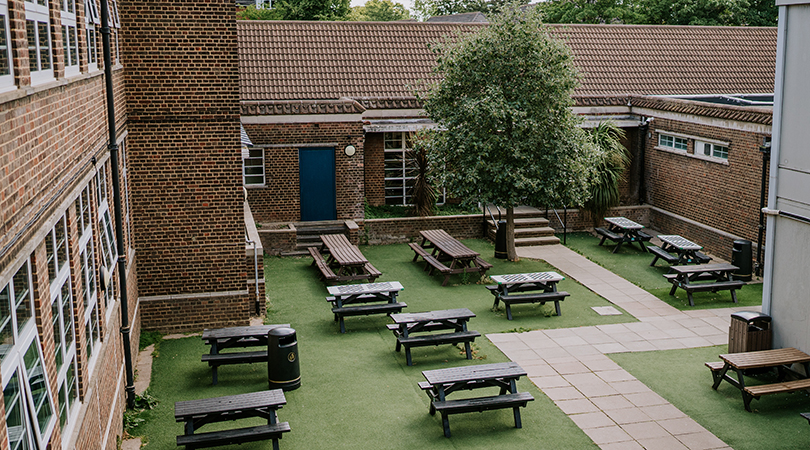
255 186
711 159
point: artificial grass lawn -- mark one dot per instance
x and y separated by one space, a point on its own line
356 390
633 265
681 378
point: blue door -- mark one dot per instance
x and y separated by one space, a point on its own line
316 172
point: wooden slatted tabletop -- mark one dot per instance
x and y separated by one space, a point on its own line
369 288
679 242
448 244
221 405
700 268
766 358
428 316
624 223
344 252
474 373
536 277
258 331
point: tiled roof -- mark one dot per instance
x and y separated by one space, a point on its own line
294 107
282 60
751 114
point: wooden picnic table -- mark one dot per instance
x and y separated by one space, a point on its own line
686 251
704 277
779 359
345 300
197 413
442 382
405 324
622 230
343 261
537 287
235 337
437 248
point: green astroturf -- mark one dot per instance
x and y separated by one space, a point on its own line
681 378
633 265
356 391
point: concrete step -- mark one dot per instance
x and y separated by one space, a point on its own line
524 222
520 211
525 232
540 240
296 253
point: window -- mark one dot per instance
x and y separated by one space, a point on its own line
710 149
106 238
56 249
29 407
38 34
253 166
70 37
115 26
91 19
88 292
6 67
673 142
400 170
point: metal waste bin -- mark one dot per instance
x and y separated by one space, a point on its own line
283 371
741 257
749 332
500 240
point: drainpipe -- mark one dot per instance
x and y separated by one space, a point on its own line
119 234
765 149
643 128
256 269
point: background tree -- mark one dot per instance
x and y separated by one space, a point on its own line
508 134
694 12
311 9
612 161
379 11
589 11
423 193
254 13
424 9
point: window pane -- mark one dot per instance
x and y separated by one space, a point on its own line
22 297
43 410
15 415
6 326
57 335
5 67
44 46
61 243
67 315
31 35
680 143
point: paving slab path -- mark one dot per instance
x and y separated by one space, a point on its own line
617 411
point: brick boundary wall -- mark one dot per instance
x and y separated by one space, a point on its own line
577 220
279 240
406 229
194 312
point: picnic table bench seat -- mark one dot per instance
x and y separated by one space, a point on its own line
431 263
529 297
660 253
365 310
480 404
425 340
326 272
607 234
483 264
221 359
643 236
234 436
713 286
806 416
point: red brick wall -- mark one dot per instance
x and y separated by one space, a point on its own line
389 231
279 240
375 169
717 195
182 86
279 200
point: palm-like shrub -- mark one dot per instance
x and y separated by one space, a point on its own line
423 194
610 168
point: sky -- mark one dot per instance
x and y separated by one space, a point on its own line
407 3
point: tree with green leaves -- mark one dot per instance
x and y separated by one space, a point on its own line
424 9
589 11
299 10
379 11
508 135
694 12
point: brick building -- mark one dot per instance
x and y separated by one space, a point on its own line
348 90
174 73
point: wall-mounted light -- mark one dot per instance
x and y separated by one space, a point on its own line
349 150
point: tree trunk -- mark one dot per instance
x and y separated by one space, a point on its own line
511 253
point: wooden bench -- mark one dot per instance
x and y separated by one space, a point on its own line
716 367
607 234
713 287
220 359
326 272
372 272
431 262
425 340
532 297
480 404
662 254
365 310
805 415
483 265
235 436
755 392
643 236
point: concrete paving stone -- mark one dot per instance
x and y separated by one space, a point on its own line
695 342
700 313
719 339
520 355
629 387
639 346
663 443
595 419
682 425
538 343
593 390
611 348
602 338
701 441
664 310
577 406
587 331
612 402
516 344
563 393
692 322
613 328
561 359
599 362
607 435
583 350
626 445
499 338
614 375
707 330
626 337
642 399
680 332
577 379
653 335
662 323
668 344
640 312
638 327
568 368
624 416
719 322
558 333
538 370
570 341
663 412
550 382
551 353
131 444
645 430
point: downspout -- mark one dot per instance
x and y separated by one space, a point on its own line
256 270
119 234
643 128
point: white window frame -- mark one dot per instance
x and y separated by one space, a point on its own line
107 248
253 167
401 152
6 80
676 143
711 150
70 36
87 268
36 11
91 20
26 338
64 332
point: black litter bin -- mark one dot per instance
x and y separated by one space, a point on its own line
741 257
749 332
283 371
500 240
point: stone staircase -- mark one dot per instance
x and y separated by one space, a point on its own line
308 234
531 227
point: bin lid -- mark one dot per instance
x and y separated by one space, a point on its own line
282 331
751 316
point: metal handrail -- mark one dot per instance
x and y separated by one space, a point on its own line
564 223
